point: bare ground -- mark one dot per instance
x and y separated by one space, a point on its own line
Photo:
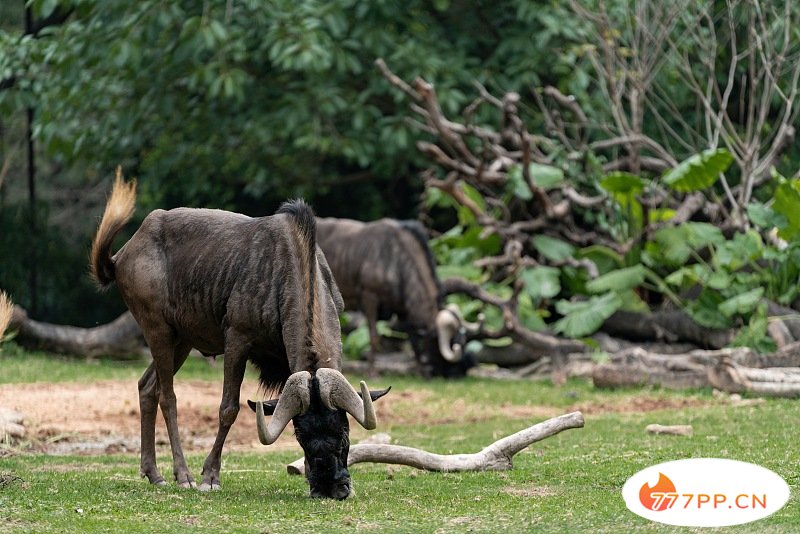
103 417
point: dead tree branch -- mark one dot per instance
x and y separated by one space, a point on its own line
497 456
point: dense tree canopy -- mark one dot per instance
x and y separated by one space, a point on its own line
657 113
240 104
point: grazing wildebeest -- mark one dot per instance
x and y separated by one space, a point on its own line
385 267
256 289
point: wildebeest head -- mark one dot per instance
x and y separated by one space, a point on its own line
318 406
451 332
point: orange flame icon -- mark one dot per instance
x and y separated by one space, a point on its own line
657 502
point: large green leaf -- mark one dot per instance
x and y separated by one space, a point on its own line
699 171
737 252
622 182
551 248
676 243
516 184
632 302
529 315
619 280
766 217
541 282
585 317
741 304
605 258
545 176
787 200
704 310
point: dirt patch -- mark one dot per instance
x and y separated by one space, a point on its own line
103 417
640 404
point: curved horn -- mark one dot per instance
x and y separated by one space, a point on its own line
471 328
446 327
295 399
337 394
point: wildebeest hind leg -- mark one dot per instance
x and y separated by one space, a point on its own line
168 356
235 363
148 408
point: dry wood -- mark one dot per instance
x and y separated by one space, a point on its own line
496 457
11 424
120 338
731 377
673 430
670 325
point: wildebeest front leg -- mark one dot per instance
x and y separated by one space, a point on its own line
235 363
370 305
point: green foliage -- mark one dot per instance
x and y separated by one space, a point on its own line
239 105
541 282
584 317
698 172
552 248
624 189
227 104
618 280
356 343
785 203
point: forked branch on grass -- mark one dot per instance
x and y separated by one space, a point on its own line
496 457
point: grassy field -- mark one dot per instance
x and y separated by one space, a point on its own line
567 483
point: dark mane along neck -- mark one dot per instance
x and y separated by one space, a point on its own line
305 231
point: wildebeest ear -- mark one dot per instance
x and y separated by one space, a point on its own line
269 406
375 395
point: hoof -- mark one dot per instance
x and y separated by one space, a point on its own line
205 486
156 480
187 485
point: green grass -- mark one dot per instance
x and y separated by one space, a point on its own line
19 366
568 483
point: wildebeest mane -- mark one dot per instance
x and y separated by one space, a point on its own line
418 232
306 224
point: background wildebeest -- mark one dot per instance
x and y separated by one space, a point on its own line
253 288
385 267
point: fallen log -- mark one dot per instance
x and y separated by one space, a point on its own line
120 338
669 325
495 457
637 367
11 424
731 377
624 375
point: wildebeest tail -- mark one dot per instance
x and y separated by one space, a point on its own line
6 310
306 224
119 209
